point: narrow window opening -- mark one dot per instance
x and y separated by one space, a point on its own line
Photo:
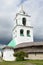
28 33
21 32
24 21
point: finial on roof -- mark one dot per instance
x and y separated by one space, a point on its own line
22 7
22 10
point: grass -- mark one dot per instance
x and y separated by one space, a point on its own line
27 62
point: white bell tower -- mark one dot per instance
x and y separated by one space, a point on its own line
23 31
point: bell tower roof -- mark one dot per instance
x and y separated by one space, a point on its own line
22 11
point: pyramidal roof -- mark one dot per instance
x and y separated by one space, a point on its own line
22 11
12 43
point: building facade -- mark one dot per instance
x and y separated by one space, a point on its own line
34 50
23 31
8 54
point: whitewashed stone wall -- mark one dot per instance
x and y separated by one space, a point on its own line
35 57
8 55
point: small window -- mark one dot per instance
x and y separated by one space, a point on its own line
28 33
24 21
21 32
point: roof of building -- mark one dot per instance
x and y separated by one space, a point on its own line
7 47
12 43
23 45
29 44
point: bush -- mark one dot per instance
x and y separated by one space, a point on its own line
20 55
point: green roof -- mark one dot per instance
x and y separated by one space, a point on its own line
12 43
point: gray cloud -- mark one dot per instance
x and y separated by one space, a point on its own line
7 14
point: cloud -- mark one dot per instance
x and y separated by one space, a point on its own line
8 10
8 5
21 2
8 2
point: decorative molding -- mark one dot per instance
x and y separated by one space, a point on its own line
22 26
22 15
25 26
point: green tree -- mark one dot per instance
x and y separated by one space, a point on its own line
20 55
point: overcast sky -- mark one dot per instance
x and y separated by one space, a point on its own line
8 10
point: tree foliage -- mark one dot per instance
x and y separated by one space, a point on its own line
20 55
